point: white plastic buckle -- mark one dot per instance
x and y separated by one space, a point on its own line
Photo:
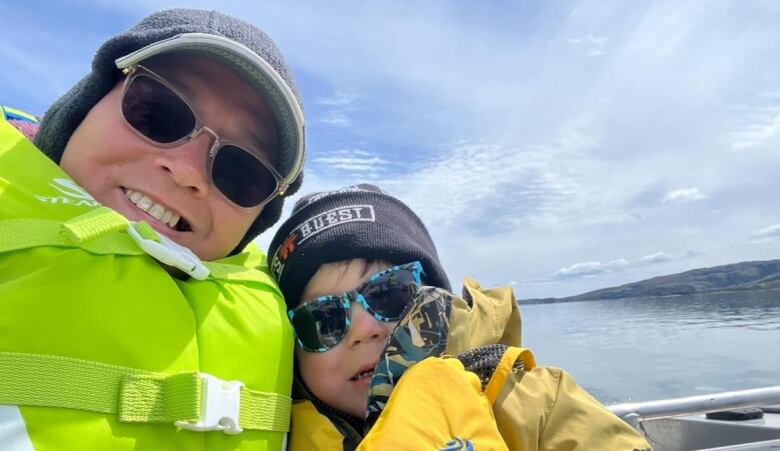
220 406
170 253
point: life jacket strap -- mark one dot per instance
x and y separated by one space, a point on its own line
192 400
94 232
20 234
94 224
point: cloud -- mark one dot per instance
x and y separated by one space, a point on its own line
592 45
352 160
758 133
339 99
594 268
658 257
338 108
489 186
683 195
693 253
582 269
617 264
767 232
335 118
508 184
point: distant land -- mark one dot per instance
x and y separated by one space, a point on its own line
760 275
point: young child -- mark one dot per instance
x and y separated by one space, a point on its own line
128 294
352 264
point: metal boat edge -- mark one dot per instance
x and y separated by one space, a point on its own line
682 424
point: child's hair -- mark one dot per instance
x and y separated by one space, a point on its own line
366 265
360 221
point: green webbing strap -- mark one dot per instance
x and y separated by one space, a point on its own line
94 232
94 224
140 396
269 410
19 234
134 395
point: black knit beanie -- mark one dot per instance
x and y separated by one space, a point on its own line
256 58
358 221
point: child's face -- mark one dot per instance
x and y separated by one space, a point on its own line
339 377
146 182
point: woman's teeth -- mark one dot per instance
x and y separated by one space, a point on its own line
154 210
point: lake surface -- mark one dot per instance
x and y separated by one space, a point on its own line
653 348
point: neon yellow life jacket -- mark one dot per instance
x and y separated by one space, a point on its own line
101 348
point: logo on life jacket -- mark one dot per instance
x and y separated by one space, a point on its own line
457 444
73 194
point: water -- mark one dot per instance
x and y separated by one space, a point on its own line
644 349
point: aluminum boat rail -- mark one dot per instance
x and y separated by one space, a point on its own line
635 412
679 424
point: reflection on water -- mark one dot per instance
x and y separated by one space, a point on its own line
642 349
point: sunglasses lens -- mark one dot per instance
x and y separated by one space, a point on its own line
390 293
241 177
155 111
320 325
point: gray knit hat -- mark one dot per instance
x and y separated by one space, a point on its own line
360 221
238 44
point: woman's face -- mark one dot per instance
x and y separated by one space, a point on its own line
170 188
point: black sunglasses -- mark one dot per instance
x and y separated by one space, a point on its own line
160 114
322 323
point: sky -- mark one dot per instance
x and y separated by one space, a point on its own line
559 147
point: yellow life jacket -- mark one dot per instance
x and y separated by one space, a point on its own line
101 348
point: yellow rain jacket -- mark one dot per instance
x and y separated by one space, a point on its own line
438 402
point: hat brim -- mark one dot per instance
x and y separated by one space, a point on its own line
271 85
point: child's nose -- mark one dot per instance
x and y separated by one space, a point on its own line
364 328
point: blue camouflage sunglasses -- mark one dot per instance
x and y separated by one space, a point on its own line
322 323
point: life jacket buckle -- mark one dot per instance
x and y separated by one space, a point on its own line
169 252
220 406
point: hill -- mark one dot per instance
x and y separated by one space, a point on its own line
737 276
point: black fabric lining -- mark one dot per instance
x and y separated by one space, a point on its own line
483 361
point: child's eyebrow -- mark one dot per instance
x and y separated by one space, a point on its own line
367 264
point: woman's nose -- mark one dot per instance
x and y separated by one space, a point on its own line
186 163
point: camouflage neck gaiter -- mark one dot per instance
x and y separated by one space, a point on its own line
421 333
